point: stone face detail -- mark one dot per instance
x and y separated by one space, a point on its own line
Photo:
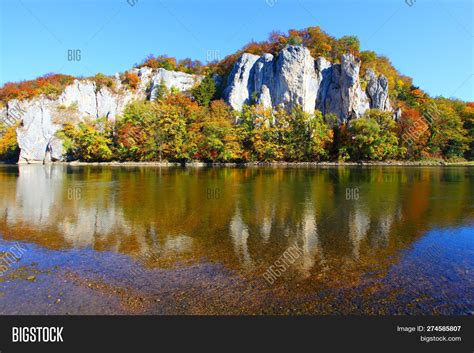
296 81
172 79
241 82
295 78
263 80
377 90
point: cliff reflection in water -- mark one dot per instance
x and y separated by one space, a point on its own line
242 218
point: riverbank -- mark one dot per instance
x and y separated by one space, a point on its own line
439 163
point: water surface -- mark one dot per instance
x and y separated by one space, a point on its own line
150 240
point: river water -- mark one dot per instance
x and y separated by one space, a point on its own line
151 240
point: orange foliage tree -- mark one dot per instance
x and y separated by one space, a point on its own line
50 85
414 132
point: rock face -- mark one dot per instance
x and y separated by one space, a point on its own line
377 90
241 81
41 117
286 81
179 80
342 94
295 78
296 81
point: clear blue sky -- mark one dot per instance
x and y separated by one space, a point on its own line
431 41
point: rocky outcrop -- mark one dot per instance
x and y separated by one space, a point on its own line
285 81
343 96
42 117
241 82
172 79
263 80
295 78
377 90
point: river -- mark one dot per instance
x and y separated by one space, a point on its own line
153 240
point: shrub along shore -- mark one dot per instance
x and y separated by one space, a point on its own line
198 164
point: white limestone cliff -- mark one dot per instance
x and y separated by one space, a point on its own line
295 78
42 117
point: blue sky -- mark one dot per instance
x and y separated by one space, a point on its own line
431 41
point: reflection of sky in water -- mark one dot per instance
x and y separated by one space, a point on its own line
439 267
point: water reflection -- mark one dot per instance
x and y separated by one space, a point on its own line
256 215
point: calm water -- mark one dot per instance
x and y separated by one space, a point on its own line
113 240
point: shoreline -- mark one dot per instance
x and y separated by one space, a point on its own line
433 163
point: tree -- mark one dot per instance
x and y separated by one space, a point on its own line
131 79
349 44
447 135
467 116
374 136
204 92
9 150
162 90
308 136
214 136
134 132
50 84
89 141
414 132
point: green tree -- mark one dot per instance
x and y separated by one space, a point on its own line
468 123
204 92
214 137
374 137
348 44
448 136
308 136
134 132
89 141
161 91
